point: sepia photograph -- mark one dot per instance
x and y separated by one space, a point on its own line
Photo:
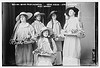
49 34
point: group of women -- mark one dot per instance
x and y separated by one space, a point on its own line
47 40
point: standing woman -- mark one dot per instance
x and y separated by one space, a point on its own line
56 26
73 32
22 37
37 25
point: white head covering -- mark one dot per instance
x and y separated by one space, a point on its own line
52 12
46 28
38 13
29 15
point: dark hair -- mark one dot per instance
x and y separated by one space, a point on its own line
74 9
52 14
36 16
50 41
40 19
43 31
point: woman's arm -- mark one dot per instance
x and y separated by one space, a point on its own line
14 35
66 21
81 33
17 25
79 16
32 32
49 25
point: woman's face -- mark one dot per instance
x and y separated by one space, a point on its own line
45 33
54 16
38 17
22 18
71 12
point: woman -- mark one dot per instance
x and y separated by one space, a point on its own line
37 25
22 37
73 32
46 48
56 26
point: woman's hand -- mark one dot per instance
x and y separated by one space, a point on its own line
33 52
63 32
79 15
74 30
66 16
56 39
81 34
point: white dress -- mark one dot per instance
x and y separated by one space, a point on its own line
72 48
23 52
44 46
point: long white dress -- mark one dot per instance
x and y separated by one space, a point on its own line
72 47
44 46
23 52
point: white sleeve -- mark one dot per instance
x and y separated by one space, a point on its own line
79 25
66 23
39 43
81 30
49 25
32 31
15 34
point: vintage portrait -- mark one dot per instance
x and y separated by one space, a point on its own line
49 34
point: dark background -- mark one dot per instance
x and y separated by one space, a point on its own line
9 14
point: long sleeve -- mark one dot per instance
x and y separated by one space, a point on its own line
39 44
66 23
32 31
49 25
79 25
81 30
14 37
33 25
15 31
